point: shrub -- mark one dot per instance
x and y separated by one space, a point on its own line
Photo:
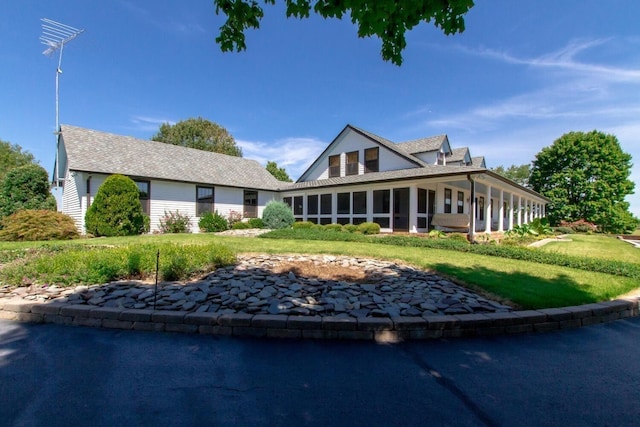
234 217
302 224
25 187
458 237
240 226
369 228
580 226
333 227
319 227
564 230
437 234
38 225
350 228
116 209
256 223
213 222
175 222
277 215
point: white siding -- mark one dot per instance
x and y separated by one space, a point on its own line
71 201
168 196
430 157
352 141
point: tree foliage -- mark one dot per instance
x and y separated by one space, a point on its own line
33 225
519 174
25 187
200 134
389 20
586 176
12 156
277 215
116 209
279 173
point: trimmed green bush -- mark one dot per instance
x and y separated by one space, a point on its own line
116 210
240 226
31 225
369 228
277 215
175 222
458 237
333 227
302 224
25 187
350 228
563 230
213 222
256 223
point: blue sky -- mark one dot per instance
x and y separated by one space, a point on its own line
521 75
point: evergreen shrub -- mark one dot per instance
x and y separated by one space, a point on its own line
277 215
240 226
116 209
369 228
256 223
25 187
302 224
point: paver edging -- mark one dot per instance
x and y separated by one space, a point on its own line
381 329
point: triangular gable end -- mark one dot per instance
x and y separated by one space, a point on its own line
322 159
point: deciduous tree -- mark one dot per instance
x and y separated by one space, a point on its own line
519 174
200 134
12 156
389 20
586 176
279 173
25 187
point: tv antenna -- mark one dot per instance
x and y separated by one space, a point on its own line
55 35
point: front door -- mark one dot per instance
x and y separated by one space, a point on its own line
401 209
431 208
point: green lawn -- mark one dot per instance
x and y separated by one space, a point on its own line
528 285
596 246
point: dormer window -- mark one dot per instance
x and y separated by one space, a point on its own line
440 160
371 160
352 163
334 166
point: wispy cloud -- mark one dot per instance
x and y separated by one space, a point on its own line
294 154
186 26
149 124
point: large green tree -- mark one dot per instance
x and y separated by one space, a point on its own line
279 173
389 20
586 176
519 174
200 134
12 156
25 187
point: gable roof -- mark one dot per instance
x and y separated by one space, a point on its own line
458 155
100 152
370 136
478 162
422 145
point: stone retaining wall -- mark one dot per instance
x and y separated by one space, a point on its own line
315 327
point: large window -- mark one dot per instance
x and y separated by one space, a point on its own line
381 201
288 201
204 200
344 203
371 162
422 201
352 163
334 166
297 205
325 204
481 207
145 195
359 202
250 204
447 200
460 202
312 204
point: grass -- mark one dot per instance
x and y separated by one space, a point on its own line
526 284
596 246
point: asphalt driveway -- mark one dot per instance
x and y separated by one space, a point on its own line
55 375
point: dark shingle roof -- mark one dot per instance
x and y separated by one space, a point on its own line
396 148
478 162
457 154
425 171
93 151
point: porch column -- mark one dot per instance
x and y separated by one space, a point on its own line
511 211
543 209
472 210
369 205
501 212
487 211
334 207
519 210
413 209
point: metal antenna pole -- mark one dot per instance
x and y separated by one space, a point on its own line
55 35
